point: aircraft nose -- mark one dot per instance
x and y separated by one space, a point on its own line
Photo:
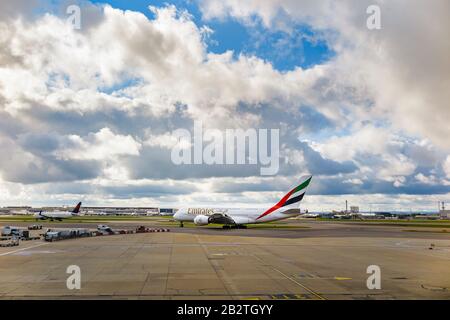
178 215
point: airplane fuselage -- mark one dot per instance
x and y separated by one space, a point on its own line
239 216
54 215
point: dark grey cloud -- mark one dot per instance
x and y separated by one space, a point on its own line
9 125
291 119
65 121
43 171
40 143
156 163
319 165
29 159
148 190
13 9
313 120
338 186
75 188
257 186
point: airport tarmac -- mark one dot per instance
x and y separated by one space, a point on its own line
318 261
292 228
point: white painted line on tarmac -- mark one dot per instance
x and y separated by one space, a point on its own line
38 245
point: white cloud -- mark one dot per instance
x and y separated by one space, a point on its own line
447 167
368 139
153 64
404 68
122 70
166 140
103 145
354 181
432 180
381 153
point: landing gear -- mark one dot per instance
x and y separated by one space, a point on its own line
235 226
181 224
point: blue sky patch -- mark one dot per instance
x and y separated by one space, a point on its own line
285 51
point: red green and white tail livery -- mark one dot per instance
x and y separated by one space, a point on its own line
287 207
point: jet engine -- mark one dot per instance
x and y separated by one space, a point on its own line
201 220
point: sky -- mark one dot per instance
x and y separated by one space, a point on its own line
88 114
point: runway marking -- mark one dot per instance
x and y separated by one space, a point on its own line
220 273
38 245
314 277
341 278
301 285
292 279
402 243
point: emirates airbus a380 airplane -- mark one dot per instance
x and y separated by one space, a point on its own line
287 207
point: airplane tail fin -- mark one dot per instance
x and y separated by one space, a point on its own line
77 208
292 199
